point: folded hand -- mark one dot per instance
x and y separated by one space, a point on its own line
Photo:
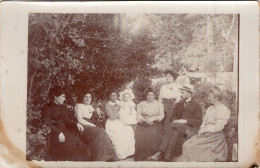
148 121
80 127
61 137
180 121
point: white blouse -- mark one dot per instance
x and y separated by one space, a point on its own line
85 111
170 91
215 119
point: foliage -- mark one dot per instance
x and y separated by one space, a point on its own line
141 84
103 52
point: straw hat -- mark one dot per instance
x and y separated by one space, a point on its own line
188 87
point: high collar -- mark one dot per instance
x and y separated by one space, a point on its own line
55 104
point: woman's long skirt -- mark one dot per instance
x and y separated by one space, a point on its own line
211 148
73 149
147 140
100 144
122 137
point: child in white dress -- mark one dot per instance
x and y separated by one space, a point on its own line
127 109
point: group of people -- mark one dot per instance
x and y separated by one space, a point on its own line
153 130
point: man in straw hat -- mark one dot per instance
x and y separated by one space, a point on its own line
185 120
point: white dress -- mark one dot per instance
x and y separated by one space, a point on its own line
127 112
121 135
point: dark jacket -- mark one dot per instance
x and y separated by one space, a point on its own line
56 117
192 112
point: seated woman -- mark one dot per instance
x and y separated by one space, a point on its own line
210 143
63 142
122 135
149 131
101 146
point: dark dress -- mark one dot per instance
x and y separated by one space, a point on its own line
73 149
148 137
99 121
100 144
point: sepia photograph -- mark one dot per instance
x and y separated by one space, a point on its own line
129 84
132 87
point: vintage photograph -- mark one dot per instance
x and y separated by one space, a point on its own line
130 87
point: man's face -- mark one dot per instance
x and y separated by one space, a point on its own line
184 95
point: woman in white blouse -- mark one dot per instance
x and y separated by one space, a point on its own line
100 144
209 144
169 95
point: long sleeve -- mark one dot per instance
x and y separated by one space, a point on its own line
152 111
111 113
177 92
177 109
79 116
139 116
170 91
215 120
160 115
161 94
68 122
47 119
196 120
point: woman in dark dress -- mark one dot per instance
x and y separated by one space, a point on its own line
63 142
100 144
149 131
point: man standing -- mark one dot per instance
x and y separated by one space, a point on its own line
185 122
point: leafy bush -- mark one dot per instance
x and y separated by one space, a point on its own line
102 52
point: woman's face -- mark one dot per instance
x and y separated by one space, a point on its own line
212 99
87 98
113 97
169 78
150 96
60 99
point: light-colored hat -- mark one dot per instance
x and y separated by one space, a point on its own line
188 87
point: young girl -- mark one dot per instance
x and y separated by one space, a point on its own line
127 109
